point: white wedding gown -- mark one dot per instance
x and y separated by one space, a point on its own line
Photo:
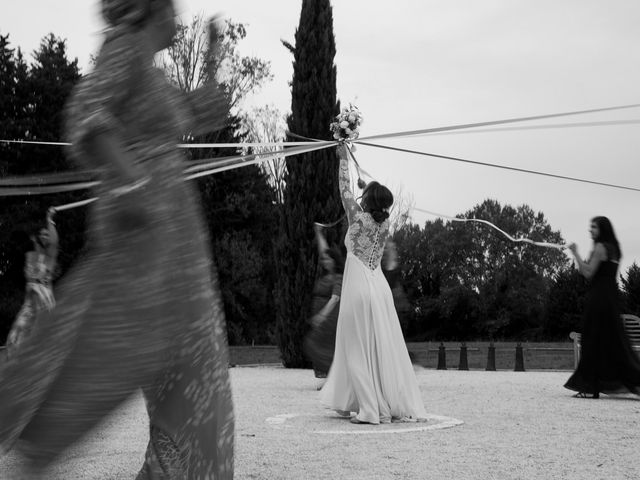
371 373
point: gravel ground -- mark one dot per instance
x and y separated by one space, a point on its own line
484 425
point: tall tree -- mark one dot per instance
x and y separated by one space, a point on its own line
311 192
14 103
267 124
188 61
472 265
631 290
565 304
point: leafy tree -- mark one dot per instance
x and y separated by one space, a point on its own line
267 124
631 290
14 103
492 251
188 61
241 218
565 303
311 192
505 285
459 314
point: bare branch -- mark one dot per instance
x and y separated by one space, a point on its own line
267 124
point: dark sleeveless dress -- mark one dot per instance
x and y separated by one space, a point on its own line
608 364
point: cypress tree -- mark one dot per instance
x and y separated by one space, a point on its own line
311 192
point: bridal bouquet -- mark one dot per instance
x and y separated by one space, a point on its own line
347 124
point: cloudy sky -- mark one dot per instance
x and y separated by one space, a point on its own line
414 64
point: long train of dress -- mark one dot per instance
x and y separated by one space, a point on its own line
371 372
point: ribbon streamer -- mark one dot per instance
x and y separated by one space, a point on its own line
179 145
45 189
332 224
607 123
246 144
504 167
410 133
52 183
240 162
407 133
257 158
80 203
479 220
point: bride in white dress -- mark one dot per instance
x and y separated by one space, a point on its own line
371 372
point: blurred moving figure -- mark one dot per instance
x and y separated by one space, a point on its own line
142 308
320 343
39 267
393 274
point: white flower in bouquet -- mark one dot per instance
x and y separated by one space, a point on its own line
346 126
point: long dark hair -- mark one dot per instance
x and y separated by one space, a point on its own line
607 237
378 201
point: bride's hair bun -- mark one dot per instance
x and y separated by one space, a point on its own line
380 215
379 200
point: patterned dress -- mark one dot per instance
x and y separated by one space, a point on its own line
38 297
371 372
142 308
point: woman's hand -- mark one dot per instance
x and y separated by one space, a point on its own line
50 213
17 334
573 248
318 319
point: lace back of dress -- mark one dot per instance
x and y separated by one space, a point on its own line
366 239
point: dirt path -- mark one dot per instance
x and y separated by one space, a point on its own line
485 425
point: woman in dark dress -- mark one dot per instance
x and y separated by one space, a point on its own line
141 309
608 364
320 342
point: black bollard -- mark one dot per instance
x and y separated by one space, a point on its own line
442 358
519 359
491 358
463 365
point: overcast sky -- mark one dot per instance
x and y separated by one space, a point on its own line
414 64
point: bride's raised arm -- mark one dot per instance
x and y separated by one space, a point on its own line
349 203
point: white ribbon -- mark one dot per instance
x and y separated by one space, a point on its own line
479 220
